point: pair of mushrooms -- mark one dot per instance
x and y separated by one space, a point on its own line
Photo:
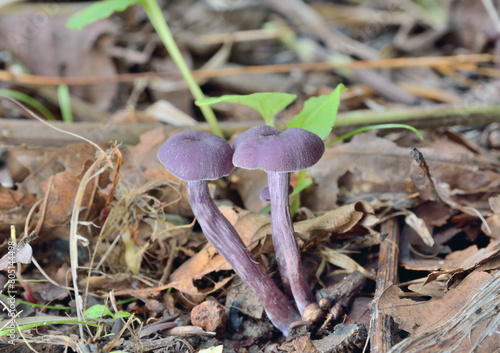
197 157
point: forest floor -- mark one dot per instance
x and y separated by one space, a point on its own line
401 235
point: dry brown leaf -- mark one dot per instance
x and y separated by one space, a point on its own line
493 220
304 344
255 230
27 28
61 197
465 318
337 221
250 226
14 207
435 289
372 164
39 164
419 226
462 262
204 262
413 316
343 261
369 167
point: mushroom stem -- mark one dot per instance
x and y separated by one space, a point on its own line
285 244
224 238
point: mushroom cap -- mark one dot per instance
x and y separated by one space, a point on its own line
196 155
273 150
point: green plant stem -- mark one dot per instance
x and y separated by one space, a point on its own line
64 103
155 16
422 117
375 127
22 97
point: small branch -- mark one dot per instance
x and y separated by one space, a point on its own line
17 132
201 74
424 117
381 333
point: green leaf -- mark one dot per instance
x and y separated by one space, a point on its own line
97 11
97 311
376 127
26 323
268 104
319 113
122 314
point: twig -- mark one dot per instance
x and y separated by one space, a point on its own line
250 70
493 13
93 171
381 333
17 132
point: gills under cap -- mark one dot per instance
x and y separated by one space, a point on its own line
196 155
264 147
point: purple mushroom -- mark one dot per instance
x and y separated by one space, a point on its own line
279 153
196 157
265 196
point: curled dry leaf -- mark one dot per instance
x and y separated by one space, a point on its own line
337 221
343 261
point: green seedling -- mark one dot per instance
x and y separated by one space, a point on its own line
22 97
267 104
97 311
318 116
103 9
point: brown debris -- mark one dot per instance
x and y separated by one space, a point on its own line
210 316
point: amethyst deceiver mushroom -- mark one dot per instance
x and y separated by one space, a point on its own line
196 157
265 196
279 153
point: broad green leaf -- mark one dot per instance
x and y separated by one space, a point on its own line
319 113
268 104
97 311
98 10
